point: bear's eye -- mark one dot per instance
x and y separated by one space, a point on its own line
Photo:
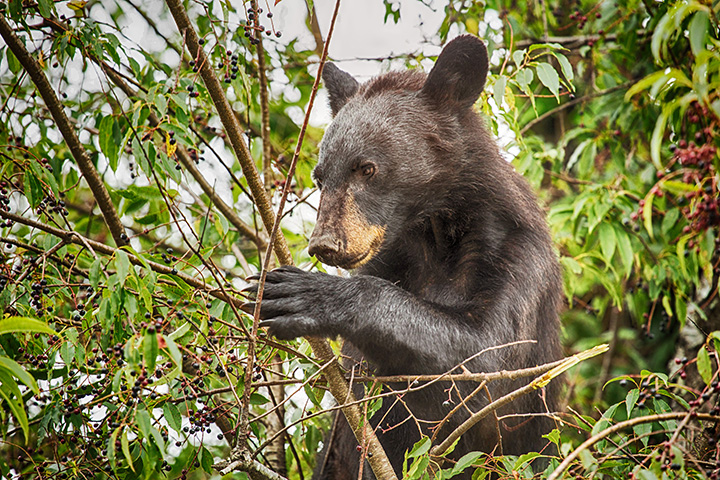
367 170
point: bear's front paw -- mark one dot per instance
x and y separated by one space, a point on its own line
296 303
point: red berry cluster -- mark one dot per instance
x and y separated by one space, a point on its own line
703 211
253 28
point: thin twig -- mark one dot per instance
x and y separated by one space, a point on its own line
264 104
620 426
571 103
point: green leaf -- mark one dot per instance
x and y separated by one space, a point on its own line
33 189
122 265
572 265
549 77
680 310
11 393
647 214
126 449
518 57
24 324
94 274
625 250
142 418
607 240
698 30
182 330
172 416
680 252
704 366
604 421
465 461
499 90
669 221
18 372
631 399
13 63
666 305
420 448
108 143
175 354
206 460
45 8
679 188
150 345
524 77
657 136
565 66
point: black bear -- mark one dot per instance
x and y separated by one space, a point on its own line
451 254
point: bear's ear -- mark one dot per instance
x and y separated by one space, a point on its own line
341 86
458 77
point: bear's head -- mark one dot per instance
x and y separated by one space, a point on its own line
393 143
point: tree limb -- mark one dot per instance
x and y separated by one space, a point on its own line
31 66
190 167
232 127
336 381
620 426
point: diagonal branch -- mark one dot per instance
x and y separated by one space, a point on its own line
190 167
231 125
74 237
336 380
92 177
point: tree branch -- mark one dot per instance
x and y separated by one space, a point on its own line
336 381
31 66
571 103
231 125
190 167
264 104
572 41
620 426
77 239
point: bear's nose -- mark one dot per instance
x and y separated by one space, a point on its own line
324 246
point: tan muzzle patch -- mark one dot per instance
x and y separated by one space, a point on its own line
343 236
363 239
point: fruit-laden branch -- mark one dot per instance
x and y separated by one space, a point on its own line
77 239
182 154
264 103
32 67
231 125
661 417
336 381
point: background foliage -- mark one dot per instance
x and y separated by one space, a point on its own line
117 362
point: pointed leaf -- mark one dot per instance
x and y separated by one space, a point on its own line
549 77
24 324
